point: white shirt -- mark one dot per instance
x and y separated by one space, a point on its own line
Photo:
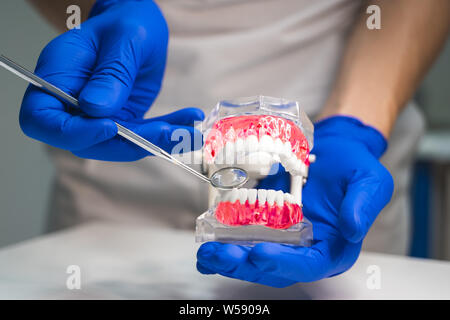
221 49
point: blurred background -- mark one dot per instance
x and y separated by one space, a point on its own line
26 171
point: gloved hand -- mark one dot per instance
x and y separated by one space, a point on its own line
114 64
346 189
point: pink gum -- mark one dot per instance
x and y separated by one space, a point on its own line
276 217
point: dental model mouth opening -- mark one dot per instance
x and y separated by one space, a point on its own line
257 134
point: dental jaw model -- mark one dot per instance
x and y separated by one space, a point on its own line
257 134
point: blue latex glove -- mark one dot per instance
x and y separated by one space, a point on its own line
114 64
346 189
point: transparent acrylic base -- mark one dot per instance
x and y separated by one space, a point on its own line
209 229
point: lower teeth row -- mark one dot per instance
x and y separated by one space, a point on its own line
262 195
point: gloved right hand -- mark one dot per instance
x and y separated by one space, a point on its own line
114 64
346 189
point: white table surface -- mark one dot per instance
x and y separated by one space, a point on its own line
142 262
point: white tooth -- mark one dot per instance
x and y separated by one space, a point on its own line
264 170
279 198
286 152
253 159
271 197
220 157
243 195
288 198
284 159
262 196
252 194
247 144
299 169
239 144
229 152
266 143
279 147
291 162
296 167
234 195
276 158
251 143
287 148
260 159
285 162
264 158
240 151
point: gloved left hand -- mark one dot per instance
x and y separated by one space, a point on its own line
346 189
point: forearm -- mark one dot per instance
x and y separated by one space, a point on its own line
55 11
381 69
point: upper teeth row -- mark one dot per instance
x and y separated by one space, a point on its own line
265 151
263 196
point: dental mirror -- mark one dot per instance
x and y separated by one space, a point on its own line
225 178
229 178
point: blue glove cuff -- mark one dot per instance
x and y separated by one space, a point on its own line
101 5
350 127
